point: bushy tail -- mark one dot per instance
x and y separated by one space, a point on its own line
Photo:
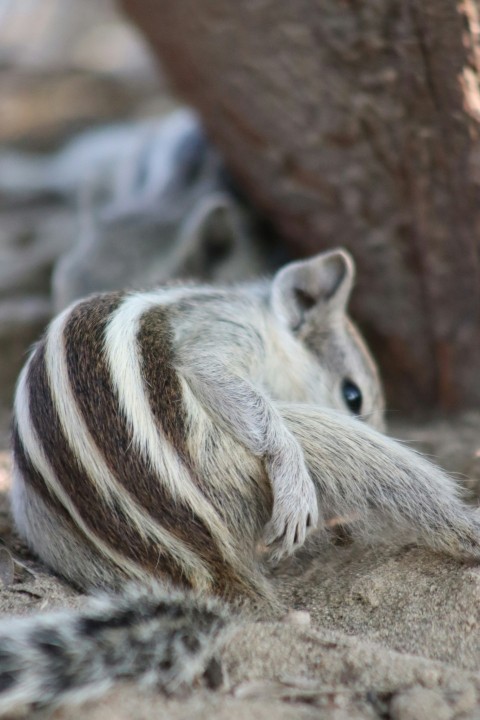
159 638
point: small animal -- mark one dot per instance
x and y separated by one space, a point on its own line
144 202
162 436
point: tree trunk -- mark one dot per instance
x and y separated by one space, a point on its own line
354 123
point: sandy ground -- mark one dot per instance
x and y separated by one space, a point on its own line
390 634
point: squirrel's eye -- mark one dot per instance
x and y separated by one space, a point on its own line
352 396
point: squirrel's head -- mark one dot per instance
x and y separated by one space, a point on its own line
311 297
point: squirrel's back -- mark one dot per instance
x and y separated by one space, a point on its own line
112 446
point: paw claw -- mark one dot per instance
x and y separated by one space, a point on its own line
292 519
274 532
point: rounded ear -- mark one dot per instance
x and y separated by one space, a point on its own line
213 228
324 282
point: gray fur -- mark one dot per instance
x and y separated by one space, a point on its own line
242 433
391 493
162 639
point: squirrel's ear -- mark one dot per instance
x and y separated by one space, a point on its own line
214 226
324 281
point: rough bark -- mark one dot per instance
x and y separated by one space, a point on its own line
354 123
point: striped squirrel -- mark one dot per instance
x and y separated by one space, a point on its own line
161 436
143 201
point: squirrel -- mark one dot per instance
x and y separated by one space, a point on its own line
161 436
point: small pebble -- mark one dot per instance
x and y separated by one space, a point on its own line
298 617
419 703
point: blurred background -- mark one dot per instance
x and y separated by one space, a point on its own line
65 66
97 190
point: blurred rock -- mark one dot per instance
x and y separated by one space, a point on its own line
89 35
67 65
420 703
36 111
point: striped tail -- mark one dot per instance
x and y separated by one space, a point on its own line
162 640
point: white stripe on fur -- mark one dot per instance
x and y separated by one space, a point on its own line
86 451
122 353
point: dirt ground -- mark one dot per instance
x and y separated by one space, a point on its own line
387 634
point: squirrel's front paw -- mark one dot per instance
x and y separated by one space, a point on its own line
294 515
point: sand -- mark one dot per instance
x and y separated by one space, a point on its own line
372 633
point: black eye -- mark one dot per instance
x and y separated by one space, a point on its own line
352 396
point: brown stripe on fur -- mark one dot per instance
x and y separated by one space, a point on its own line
111 526
166 401
161 379
90 378
32 477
